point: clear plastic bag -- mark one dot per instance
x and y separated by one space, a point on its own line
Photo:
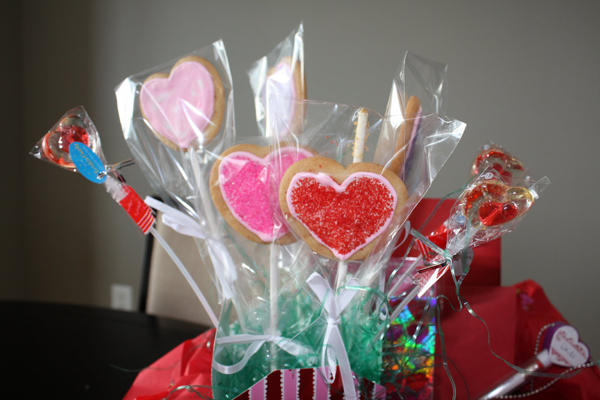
412 141
167 157
490 207
280 73
73 143
74 126
176 119
423 148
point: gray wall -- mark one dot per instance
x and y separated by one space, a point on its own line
521 73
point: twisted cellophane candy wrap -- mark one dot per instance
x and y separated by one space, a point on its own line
428 139
491 205
73 142
176 119
74 126
489 208
280 73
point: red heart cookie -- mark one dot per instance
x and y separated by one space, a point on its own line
185 106
241 183
340 212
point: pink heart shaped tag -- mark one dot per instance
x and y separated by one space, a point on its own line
565 348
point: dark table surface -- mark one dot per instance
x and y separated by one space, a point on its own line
58 351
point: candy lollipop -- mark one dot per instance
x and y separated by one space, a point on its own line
341 211
240 186
74 144
487 209
74 126
496 157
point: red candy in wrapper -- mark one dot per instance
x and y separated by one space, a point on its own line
73 143
74 126
493 203
494 156
490 206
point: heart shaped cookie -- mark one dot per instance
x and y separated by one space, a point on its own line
286 82
243 184
495 203
340 211
185 106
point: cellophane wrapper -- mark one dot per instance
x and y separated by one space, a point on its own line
75 126
490 190
178 174
280 73
329 130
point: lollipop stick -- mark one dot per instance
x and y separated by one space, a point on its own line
205 198
273 289
359 149
186 275
205 203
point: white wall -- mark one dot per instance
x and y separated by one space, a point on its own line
521 73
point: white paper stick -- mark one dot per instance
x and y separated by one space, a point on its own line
274 308
202 191
186 275
361 135
359 150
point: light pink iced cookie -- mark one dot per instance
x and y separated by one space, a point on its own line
286 82
340 212
184 107
244 184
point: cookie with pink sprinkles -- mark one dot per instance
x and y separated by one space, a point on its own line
243 185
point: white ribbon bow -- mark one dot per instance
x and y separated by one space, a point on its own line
187 226
256 341
333 344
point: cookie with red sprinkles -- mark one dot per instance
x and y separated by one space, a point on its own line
340 211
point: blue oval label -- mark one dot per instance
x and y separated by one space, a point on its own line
87 162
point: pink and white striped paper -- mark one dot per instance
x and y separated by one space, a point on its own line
306 384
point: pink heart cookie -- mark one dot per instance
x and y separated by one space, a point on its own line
185 106
243 183
285 82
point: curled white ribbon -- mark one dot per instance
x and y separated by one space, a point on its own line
256 341
333 344
187 226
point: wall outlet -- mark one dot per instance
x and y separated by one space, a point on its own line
121 297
